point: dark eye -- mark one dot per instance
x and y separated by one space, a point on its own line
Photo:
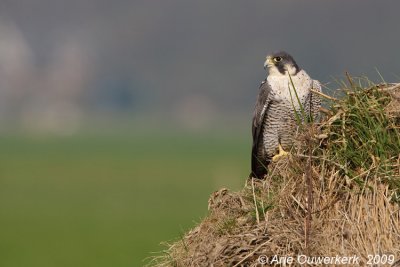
277 59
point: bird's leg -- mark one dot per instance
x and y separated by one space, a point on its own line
282 153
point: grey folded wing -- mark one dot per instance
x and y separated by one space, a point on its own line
260 111
315 101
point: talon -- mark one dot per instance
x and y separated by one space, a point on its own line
282 153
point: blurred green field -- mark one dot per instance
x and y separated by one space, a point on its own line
108 200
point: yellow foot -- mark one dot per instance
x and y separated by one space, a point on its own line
282 154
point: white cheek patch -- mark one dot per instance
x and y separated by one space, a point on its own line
290 69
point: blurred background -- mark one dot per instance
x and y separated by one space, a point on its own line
119 119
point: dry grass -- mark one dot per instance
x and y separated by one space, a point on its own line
337 194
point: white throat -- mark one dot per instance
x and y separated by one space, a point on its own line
282 85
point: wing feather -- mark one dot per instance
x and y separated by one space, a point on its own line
261 108
315 101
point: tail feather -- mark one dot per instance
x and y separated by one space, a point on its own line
259 168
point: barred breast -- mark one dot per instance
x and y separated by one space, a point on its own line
279 126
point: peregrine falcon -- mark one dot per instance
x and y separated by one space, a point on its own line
283 101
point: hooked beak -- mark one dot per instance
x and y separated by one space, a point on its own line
268 62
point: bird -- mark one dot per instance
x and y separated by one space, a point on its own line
285 100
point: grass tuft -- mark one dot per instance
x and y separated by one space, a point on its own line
364 136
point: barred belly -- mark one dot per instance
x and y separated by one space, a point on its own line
279 126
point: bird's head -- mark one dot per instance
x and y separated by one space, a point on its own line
281 63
